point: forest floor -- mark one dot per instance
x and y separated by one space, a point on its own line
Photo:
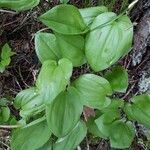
18 30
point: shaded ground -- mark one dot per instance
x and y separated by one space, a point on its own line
18 30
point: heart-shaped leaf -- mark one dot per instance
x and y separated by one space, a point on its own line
20 5
110 38
32 137
121 135
93 90
73 139
93 129
72 47
29 101
139 110
46 47
90 13
64 112
65 19
53 78
118 79
105 121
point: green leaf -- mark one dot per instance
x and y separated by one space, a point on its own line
121 135
114 105
29 101
118 79
20 5
105 121
65 19
89 14
72 47
25 96
110 38
93 90
4 114
5 57
46 47
64 1
93 129
30 138
139 109
47 146
73 139
64 112
53 78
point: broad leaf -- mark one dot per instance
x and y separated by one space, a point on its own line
30 138
72 47
139 109
121 135
46 47
90 13
53 78
47 146
118 79
19 5
110 38
65 19
73 139
105 121
25 96
114 105
29 101
93 129
64 112
5 57
93 90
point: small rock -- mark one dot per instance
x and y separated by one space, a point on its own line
144 82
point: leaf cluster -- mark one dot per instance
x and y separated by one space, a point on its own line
52 110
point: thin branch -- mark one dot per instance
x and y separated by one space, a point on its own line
7 11
9 126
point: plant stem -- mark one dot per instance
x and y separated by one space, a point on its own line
7 11
9 126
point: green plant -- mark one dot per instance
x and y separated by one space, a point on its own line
20 5
5 57
51 111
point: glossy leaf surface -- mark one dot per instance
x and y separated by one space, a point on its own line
110 38
139 110
118 79
53 78
19 5
105 121
121 135
32 137
64 112
93 90
89 14
72 48
65 19
46 47
73 139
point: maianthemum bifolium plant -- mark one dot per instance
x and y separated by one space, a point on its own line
51 111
